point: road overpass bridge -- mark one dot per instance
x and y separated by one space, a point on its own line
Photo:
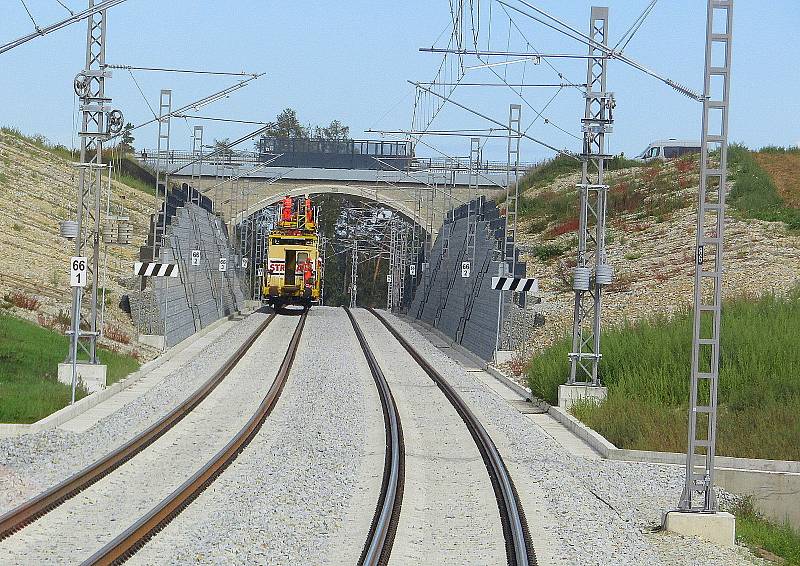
244 183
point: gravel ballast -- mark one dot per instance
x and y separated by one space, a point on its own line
32 463
305 489
83 524
599 512
449 513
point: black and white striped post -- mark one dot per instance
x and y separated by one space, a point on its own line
149 269
152 269
519 284
505 283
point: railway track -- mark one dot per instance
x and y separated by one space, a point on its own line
126 544
33 509
387 514
378 546
519 550
134 537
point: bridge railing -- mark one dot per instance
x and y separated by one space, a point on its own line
411 164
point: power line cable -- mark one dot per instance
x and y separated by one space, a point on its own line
230 120
71 13
637 24
35 25
189 71
153 112
546 59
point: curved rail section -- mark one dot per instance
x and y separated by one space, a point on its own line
33 509
126 544
519 550
378 547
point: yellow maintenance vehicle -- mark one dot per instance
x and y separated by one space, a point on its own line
293 273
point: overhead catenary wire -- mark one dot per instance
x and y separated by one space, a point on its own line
224 93
153 112
104 5
485 117
66 7
35 25
189 71
569 31
635 26
229 120
547 61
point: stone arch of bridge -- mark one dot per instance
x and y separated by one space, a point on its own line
367 193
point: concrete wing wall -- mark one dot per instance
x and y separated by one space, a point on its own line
202 294
465 309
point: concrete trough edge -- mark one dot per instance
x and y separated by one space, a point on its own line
71 411
597 441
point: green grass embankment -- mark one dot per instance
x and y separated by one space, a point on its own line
759 533
29 358
646 368
126 170
754 193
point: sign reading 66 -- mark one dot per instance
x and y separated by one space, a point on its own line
77 271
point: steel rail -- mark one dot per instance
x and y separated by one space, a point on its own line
519 550
379 543
136 536
33 509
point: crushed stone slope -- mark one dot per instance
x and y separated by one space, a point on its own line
653 259
37 191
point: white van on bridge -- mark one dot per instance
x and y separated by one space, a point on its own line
668 149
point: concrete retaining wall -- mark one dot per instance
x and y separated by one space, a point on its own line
202 294
464 309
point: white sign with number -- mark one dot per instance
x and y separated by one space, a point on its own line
223 264
412 270
261 272
466 267
389 278
195 257
244 263
77 271
425 266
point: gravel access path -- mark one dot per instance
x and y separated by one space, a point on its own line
305 489
449 513
83 524
582 512
32 463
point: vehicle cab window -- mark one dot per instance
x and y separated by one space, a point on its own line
654 152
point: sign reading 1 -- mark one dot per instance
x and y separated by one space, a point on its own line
77 271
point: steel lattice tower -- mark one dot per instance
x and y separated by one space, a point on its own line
698 492
162 173
592 272
354 275
197 164
472 205
97 121
508 255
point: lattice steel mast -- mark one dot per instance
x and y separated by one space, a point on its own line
505 323
592 272
162 169
698 492
98 122
472 205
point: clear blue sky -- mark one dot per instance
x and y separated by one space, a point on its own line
351 60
